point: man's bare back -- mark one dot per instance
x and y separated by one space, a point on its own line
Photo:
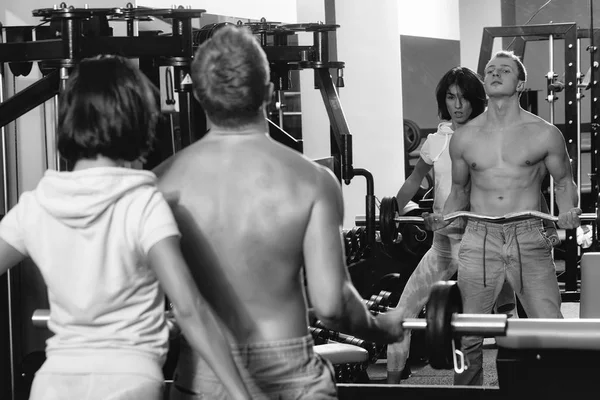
243 203
254 215
506 164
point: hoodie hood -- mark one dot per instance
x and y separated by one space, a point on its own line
78 198
445 130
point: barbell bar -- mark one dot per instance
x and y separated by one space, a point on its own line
40 318
488 325
388 220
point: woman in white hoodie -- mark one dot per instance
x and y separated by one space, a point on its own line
107 245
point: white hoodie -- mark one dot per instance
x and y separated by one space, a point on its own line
89 233
435 151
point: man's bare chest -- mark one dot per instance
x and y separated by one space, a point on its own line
510 150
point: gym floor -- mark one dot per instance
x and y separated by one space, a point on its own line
425 375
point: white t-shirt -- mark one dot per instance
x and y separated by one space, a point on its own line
89 233
435 151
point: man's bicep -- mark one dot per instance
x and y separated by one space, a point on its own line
557 160
460 167
324 259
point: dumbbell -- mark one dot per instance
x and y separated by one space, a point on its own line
380 302
320 336
384 298
321 331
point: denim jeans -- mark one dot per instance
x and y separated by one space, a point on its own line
491 253
287 369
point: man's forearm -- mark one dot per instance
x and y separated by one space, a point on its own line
357 320
566 195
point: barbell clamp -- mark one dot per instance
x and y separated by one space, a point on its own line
459 360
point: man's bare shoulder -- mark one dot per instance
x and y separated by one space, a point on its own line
166 167
472 127
328 190
469 129
477 122
163 167
540 126
326 177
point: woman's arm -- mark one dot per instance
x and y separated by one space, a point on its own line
9 257
412 184
194 315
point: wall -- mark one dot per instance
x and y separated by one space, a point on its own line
429 18
424 61
369 43
474 15
430 46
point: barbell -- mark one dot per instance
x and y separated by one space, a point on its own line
388 221
444 325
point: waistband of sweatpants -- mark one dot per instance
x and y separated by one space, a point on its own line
103 362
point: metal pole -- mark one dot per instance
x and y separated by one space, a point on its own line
5 210
578 96
280 99
550 79
55 159
64 76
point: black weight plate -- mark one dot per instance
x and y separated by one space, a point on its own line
444 301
